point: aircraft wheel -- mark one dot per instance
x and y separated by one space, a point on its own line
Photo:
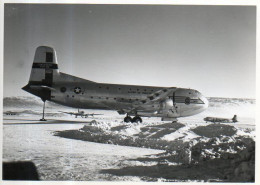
127 119
137 119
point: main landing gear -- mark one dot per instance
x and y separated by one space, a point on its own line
136 119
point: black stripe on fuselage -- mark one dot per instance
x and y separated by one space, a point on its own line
45 66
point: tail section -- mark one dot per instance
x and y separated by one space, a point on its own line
45 66
44 70
234 119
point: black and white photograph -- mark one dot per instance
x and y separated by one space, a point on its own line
129 92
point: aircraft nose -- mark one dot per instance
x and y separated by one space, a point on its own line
205 101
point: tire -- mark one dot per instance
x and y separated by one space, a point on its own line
137 119
127 119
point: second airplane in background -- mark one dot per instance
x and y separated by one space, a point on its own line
81 114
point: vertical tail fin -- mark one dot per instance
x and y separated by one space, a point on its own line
234 119
45 66
44 72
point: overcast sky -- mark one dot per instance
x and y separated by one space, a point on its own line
208 48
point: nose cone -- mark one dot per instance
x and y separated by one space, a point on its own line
205 101
197 104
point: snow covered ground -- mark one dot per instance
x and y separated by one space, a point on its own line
120 151
58 158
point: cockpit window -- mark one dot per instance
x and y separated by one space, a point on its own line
186 100
196 101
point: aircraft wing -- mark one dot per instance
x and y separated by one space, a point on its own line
152 98
157 96
91 114
70 113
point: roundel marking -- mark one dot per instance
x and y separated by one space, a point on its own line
77 90
63 89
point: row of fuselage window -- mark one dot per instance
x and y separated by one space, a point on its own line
107 98
120 99
130 90
143 91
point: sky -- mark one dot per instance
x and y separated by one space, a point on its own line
208 48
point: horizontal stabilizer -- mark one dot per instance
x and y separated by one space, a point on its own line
41 87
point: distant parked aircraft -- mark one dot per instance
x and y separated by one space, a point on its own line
11 113
221 120
169 103
81 114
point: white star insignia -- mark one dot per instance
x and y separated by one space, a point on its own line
77 90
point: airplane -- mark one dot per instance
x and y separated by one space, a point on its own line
221 120
80 113
11 113
168 103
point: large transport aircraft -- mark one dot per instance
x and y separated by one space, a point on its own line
169 103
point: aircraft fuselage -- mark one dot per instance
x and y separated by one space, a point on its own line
49 84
